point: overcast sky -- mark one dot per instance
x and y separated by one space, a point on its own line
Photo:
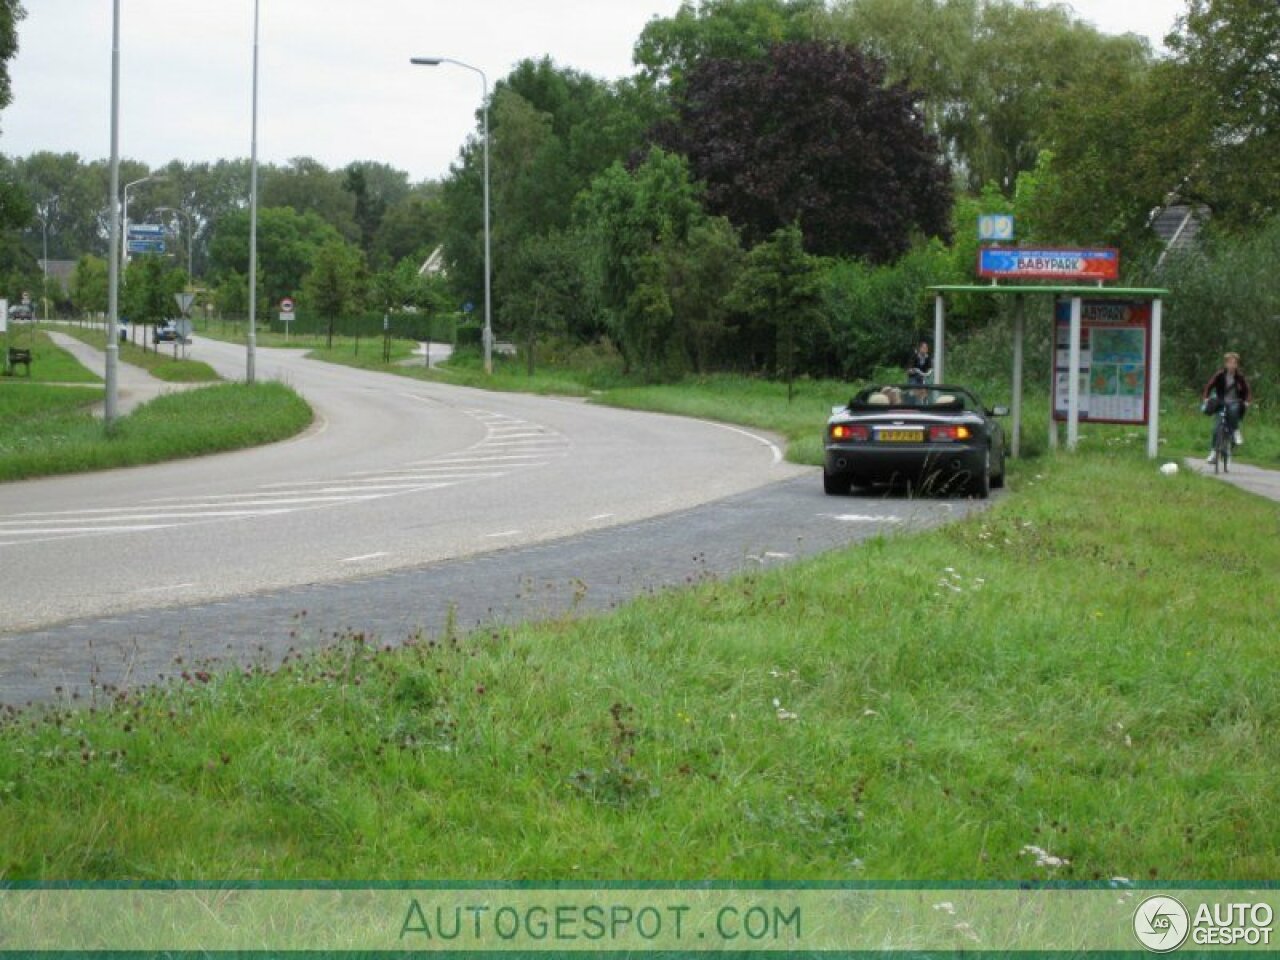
335 81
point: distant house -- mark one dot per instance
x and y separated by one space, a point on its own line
1178 224
433 266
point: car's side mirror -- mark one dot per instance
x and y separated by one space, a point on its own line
999 412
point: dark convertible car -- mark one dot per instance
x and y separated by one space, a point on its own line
936 438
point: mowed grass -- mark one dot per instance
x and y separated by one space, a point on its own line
1087 669
49 362
46 430
160 363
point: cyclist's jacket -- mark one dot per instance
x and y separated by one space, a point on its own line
1218 386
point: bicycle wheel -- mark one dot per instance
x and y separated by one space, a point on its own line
1221 445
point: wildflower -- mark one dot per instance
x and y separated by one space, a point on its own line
1044 858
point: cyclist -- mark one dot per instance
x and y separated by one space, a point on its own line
1229 386
920 365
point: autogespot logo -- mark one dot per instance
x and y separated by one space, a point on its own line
1161 924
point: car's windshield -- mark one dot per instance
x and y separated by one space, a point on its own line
948 398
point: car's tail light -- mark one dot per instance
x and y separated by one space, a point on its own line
950 434
850 431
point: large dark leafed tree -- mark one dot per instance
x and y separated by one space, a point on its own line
813 135
15 208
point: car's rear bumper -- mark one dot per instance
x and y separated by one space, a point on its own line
872 462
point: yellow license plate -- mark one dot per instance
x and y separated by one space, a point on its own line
901 436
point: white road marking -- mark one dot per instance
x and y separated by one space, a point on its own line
859 518
365 556
176 586
600 516
777 454
504 533
510 444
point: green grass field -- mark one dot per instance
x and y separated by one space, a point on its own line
49 363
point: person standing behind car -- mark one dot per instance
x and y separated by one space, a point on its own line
1229 387
920 365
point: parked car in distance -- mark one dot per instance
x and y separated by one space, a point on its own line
937 438
166 331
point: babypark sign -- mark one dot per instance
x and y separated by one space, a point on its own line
1022 263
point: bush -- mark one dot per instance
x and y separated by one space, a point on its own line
1223 296
878 314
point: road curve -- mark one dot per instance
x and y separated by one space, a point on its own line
395 474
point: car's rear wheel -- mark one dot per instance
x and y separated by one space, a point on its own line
980 485
835 484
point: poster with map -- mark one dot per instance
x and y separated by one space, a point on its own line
1115 344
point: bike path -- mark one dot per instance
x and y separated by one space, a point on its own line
1258 480
134 385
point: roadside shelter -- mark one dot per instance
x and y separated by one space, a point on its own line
1069 360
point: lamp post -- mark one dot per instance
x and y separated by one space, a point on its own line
44 264
113 260
488 297
251 340
190 233
124 251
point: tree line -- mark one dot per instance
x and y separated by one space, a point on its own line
770 191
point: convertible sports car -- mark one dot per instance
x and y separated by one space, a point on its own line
937 438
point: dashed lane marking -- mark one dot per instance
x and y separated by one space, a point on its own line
510 444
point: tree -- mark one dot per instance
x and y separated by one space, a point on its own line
700 276
10 13
148 292
811 135
989 72
412 228
670 47
780 290
307 186
336 285
377 189
1227 53
541 290
287 245
627 218
89 285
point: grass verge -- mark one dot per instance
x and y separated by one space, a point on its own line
1086 669
47 430
49 362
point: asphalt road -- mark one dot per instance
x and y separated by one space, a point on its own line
407 503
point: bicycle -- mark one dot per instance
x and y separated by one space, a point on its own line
1223 440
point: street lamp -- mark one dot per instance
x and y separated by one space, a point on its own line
488 298
44 264
251 339
113 260
190 233
124 251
